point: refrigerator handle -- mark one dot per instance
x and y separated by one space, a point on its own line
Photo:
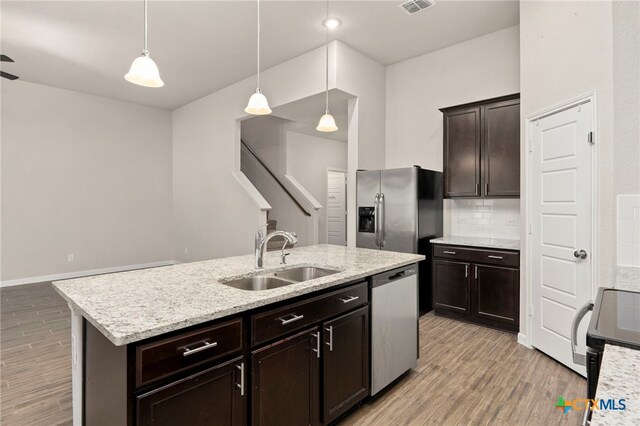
376 201
381 222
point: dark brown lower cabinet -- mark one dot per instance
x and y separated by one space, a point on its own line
211 397
478 285
285 381
452 290
497 295
345 363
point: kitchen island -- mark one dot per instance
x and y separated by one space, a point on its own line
122 321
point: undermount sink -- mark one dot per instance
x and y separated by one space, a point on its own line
304 273
259 282
283 278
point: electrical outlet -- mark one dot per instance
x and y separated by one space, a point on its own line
71 258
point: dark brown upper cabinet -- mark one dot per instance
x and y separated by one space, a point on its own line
482 149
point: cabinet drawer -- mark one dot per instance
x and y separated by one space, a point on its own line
174 354
490 257
278 322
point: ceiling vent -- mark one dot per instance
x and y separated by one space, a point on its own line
414 6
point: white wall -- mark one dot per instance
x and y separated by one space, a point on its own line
214 217
476 69
266 135
82 175
480 68
566 51
308 158
626 108
365 79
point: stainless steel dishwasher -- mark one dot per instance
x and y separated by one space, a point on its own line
394 325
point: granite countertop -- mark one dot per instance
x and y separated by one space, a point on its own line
494 243
619 379
131 306
627 278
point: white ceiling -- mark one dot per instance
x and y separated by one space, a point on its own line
203 46
305 113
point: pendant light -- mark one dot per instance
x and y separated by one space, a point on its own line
258 104
144 71
327 123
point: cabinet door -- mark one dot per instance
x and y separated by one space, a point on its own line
285 381
462 153
497 294
501 149
215 396
345 363
451 280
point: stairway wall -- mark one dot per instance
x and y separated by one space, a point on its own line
283 209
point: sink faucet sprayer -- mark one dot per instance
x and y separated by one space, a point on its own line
262 238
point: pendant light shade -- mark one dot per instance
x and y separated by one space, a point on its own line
258 104
327 123
143 71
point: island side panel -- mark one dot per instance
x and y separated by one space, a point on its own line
105 380
77 363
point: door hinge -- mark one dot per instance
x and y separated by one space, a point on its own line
591 138
530 145
530 229
530 310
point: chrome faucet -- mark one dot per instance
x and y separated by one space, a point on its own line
262 238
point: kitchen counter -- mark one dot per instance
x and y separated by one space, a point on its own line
493 243
619 379
131 306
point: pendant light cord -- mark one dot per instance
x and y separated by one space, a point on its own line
326 39
145 28
258 61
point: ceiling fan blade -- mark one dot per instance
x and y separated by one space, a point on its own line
5 58
9 76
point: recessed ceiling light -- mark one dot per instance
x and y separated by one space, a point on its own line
332 23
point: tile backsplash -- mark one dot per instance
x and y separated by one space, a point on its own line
629 230
499 218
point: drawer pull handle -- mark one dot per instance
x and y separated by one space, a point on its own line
494 257
448 252
205 346
293 318
349 299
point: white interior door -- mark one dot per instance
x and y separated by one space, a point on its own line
560 209
337 208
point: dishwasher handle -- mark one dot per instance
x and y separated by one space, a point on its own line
393 275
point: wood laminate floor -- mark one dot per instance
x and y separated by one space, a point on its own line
466 374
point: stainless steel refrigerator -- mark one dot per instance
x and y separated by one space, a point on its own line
401 210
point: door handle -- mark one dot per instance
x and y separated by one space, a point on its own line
241 384
317 349
578 358
330 342
348 299
580 254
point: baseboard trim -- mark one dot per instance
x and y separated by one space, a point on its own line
523 339
78 274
